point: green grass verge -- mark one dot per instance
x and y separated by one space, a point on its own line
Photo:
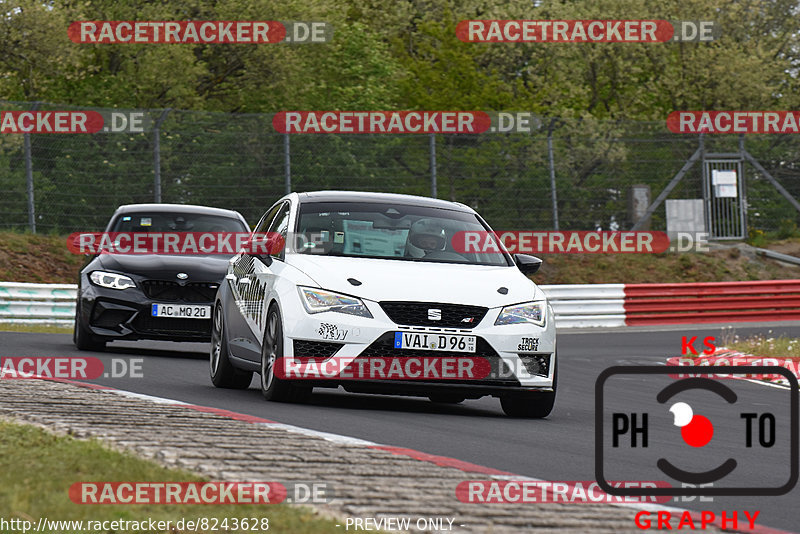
37 328
40 258
763 345
45 258
37 468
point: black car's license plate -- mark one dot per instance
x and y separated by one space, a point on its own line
182 311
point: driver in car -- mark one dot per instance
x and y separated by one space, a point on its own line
427 235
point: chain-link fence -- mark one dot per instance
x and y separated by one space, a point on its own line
239 161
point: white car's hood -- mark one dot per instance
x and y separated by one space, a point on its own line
419 281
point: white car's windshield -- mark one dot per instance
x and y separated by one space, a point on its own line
390 231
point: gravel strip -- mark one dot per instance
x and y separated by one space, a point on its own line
366 482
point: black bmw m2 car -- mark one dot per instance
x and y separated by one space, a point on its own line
162 296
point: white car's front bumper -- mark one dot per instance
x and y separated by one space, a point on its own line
520 356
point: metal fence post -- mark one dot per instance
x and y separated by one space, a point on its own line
743 185
29 176
434 187
157 156
698 155
552 173
287 163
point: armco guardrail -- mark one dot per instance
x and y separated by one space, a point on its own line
581 305
575 306
22 303
713 302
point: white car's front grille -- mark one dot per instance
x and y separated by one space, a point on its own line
434 314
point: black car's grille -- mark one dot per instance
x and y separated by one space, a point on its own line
383 347
315 349
167 290
170 325
419 313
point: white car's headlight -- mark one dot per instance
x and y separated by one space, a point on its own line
111 280
319 300
530 312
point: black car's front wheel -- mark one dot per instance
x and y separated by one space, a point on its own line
82 337
223 373
272 387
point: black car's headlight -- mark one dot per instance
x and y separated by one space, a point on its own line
319 300
111 280
529 312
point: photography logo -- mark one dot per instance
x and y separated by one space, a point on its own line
705 435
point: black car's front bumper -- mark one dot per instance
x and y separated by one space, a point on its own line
112 314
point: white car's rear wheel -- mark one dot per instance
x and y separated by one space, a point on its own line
223 373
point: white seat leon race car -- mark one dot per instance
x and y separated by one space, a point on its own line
376 293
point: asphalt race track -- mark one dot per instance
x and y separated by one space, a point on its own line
560 447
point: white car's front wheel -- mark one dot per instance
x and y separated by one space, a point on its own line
272 387
531 405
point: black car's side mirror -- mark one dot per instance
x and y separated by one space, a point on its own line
527 264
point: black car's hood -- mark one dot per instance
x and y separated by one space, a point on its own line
166 267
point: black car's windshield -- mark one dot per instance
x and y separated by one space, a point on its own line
162 221
390 231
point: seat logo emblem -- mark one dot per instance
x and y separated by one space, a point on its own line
434 314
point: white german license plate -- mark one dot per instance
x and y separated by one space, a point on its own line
432 341
183 311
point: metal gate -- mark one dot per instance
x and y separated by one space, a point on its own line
724 197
